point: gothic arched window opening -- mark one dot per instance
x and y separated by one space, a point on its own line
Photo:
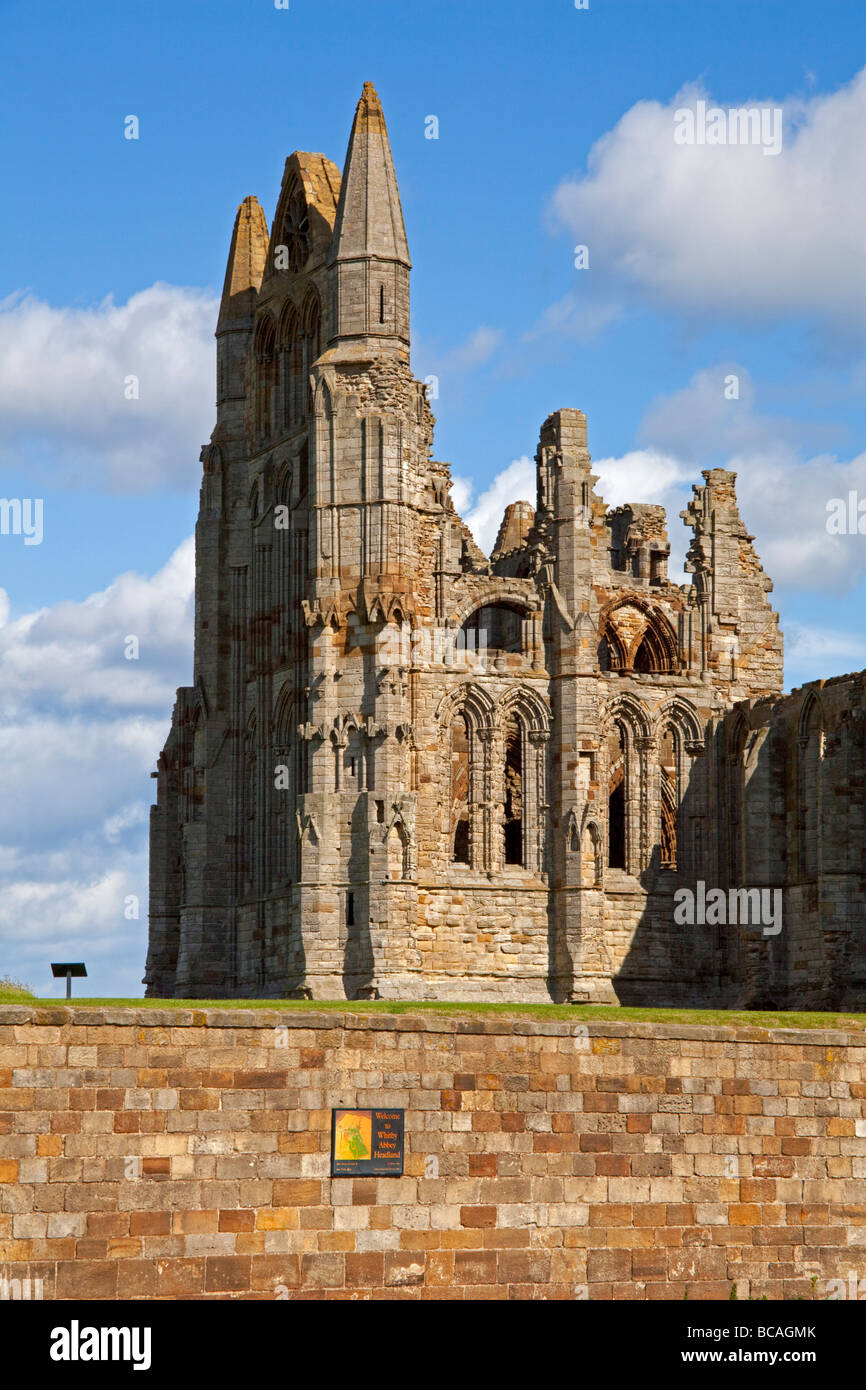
291 362
616 808
495 627
459 791
266 381
296 231
811 753
635 638
669 795
513 794
312 347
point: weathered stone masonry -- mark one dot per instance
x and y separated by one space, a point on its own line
173 1154
409 770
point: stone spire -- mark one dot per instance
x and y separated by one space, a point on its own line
246 264
369 263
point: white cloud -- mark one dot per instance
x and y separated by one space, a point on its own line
784 502
451 365
727 229
82 730
644 475
650 475
582 314
475 351
812 652
461 494
782 490
72 655
516 483
62 387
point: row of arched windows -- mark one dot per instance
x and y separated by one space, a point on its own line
285 352
647 775
497 769
273 776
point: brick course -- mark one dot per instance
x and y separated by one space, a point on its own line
636 1161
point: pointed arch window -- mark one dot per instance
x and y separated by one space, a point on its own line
514 826
639 639
266 378
312 347
284 784
809 789
736 778
669 796
629 750
250 789
616 801
296 231
291 349
459 790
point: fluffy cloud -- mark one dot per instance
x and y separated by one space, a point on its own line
726 229
783 490
73 656
650 475
785 493
63 395
515 483
82 731
645 475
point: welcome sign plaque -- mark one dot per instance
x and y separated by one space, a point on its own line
366 1143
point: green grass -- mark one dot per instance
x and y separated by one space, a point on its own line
574 1013
13 992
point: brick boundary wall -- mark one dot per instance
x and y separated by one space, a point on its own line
185 1154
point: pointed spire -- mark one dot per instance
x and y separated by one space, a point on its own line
369 261
246 264
369 216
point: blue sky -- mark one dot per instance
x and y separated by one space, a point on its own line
554 129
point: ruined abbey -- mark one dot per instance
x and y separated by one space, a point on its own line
409 770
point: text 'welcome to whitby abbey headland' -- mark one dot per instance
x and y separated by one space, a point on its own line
405 770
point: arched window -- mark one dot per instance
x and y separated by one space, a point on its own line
495 627
295 232
290 367
249 816
285 774
652 656
637 638
266 378
809 789
612 655
669 793
514 852
736 778
616 804
312 346
459 791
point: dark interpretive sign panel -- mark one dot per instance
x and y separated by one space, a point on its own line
366 1143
